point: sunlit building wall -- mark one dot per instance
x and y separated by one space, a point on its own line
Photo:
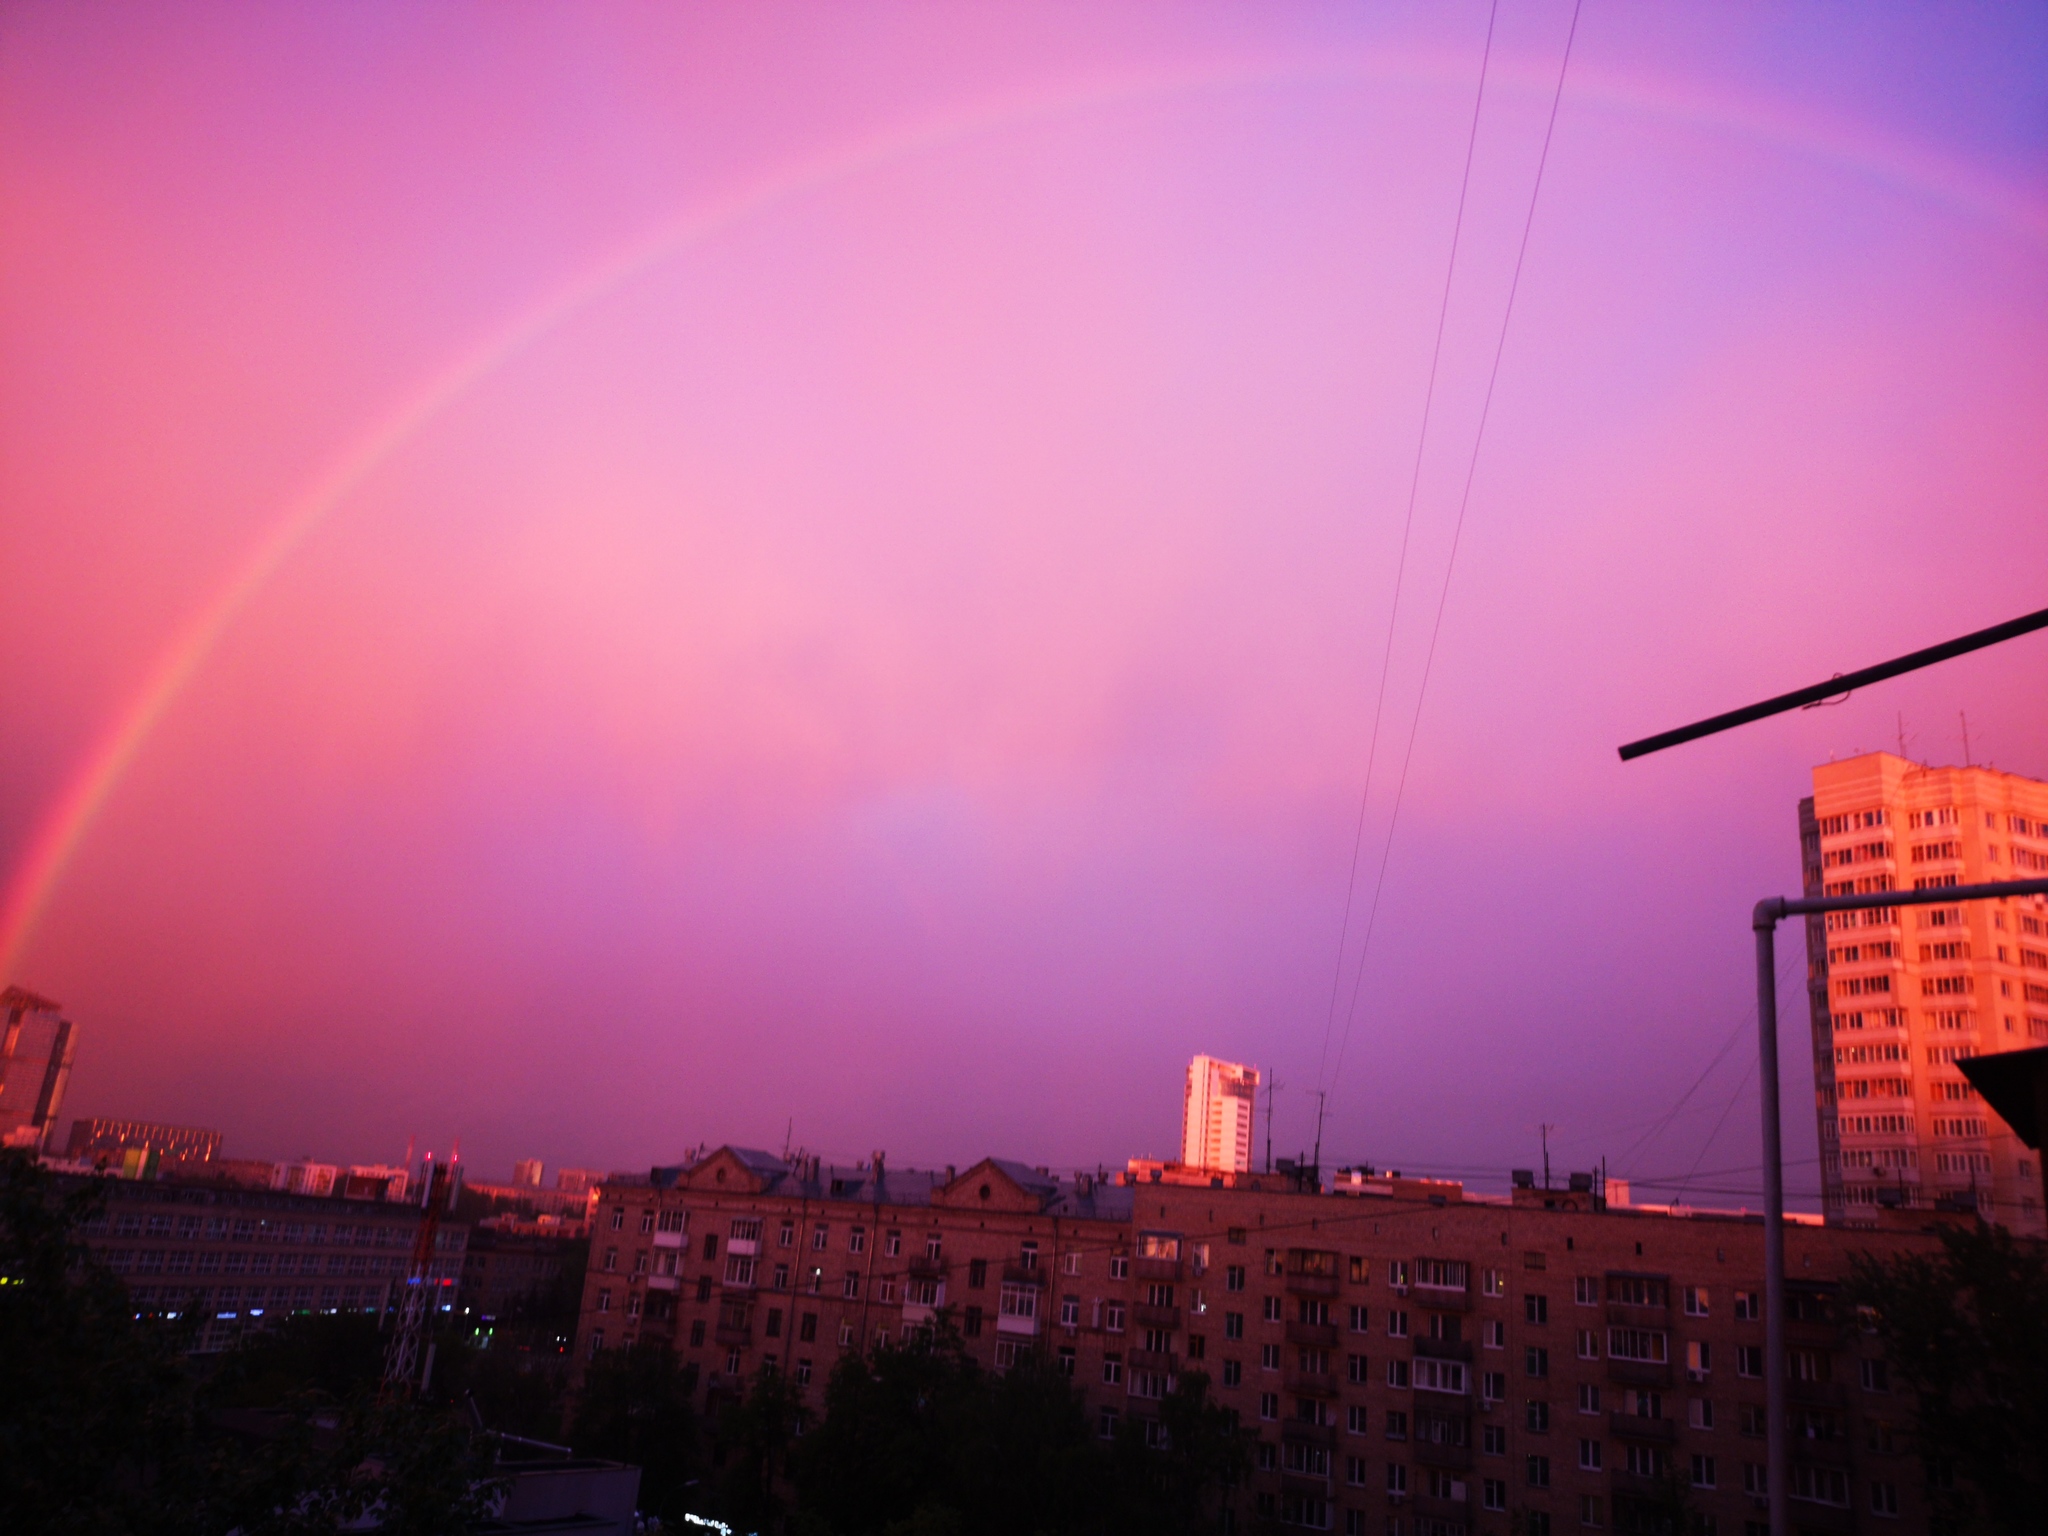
1216 1120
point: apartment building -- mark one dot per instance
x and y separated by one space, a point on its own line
104 1140
1216 1116
236 1256
1899 995
1410 1361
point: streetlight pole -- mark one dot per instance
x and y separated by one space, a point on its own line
1769 913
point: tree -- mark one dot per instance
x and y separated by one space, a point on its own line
754 1436
634 1406
1966 1332
97 1424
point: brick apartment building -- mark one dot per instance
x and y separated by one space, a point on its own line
237 1256
1411 1361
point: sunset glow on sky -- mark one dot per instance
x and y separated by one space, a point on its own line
589 579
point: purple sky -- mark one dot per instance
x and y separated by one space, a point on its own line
831 564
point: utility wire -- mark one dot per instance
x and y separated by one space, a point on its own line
1401 564
1457 531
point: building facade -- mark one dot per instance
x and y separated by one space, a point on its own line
236 1256
1898 995
1407 1361
1216 1117
103 1140
36 1046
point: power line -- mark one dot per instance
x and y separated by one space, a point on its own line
1457 531
1407 526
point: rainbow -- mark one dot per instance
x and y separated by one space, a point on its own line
58 834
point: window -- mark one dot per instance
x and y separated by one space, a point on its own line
1703 1471
1358 1369
807 1328
1884 1499
1591 1512
1536 1309
1397 1477
1493 1385
1397 1373
1112 1369
1440 1376
1588 1344
1070 1263
1233 1277
1119 1266
821 1235
850 1287
697 1334
803 1373
1699 1359
1537 1416
1113 1317
1019 1301
604 1301
1360 1270
1107 1424
1272 1309
1354 1471
1397 1325
892 1244
1749 1360
1269 1405
1493 1282
1755 1482
1699 1413
1589 1455
1233 1373
857 1240
1539 1471
1751 1421
1493 1493
1233 1325
970 1324
1358 1420
1647 1345
785 1238
1269 1357
1027 1256
1820 1485
1876 1375
1536 1362
1494 1334
739 1269
775 1322
977 1274
1747 1307
611 1259
1493 1439
1070 1311
932 1244
618 1217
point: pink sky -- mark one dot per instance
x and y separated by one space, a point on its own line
829 564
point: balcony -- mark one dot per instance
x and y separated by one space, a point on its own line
1635 1426
1638 1317
1316 1483
1311 1285
1838 1452
1808 1515
1153 1360
1148 1316
1296 1432
1638 1373
1310 1383
661 1282
1452 1458
668 1239
1168 1270
1443 1349
1440 1298
730 1334
1816 1394
926 1266
1802 1333
1314 1335
1443 1509
1023 1274
1634 1485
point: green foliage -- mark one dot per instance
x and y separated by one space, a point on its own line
754 1437
1966 1332
918 1440
634 1406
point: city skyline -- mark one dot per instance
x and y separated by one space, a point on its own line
836 586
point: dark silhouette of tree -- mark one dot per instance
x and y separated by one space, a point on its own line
1966 1332
634 1406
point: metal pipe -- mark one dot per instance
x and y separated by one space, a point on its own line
1764 920
1778 1457
1799 698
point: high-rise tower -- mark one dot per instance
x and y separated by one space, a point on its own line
1899 994
36 1044
1216 1120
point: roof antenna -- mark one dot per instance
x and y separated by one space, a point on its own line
1321 1096
1544 1131
1962 716
1272 1090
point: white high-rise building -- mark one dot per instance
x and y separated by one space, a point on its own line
1216 1121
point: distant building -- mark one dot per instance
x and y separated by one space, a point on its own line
1216 1120
576 1181
508 1266
103 1140
305 1178
527 1171
232 1256
1898 995
374 1181
36 1045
